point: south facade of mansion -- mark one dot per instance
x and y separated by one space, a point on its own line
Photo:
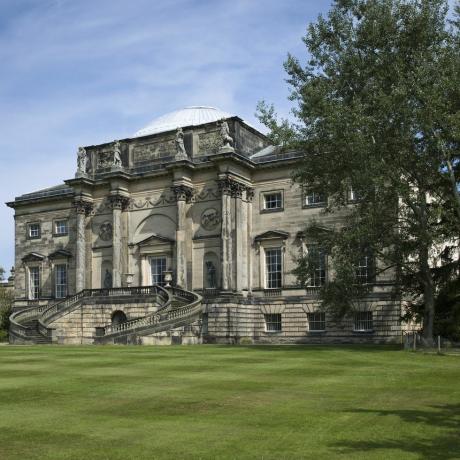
187 232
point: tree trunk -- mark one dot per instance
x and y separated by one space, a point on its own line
428 317
426 275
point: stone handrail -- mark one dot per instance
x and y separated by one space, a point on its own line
22 316
46 313
161 319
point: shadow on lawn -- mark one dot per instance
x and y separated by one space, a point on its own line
438 446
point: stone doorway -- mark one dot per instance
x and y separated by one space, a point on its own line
118 317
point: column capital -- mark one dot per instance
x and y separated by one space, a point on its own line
83 206
183 192
230 186
119 201
249 194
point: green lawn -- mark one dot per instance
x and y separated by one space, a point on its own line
227 402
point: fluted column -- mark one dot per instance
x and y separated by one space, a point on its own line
240 235
119 203
82 208
226 233
183 195
249 198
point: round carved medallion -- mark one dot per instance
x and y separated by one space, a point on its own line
210 219
105 231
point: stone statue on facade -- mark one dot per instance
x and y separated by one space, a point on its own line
82 160
226 139
181 153
107 279
117 155
211 274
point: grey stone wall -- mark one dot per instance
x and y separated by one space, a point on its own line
79 326
241 322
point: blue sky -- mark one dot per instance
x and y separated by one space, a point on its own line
90 71
82 72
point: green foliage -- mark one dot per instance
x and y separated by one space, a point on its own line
6 301
378 103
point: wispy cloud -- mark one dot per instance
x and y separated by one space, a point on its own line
78 73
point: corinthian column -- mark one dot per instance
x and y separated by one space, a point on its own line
119 203
183 195
240 237
82 208
225 186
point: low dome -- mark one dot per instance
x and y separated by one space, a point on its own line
189 116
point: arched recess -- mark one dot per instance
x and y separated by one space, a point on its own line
155 224
118 317
211 275
154 241
106 274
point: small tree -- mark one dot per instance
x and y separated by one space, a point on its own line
6 301
377 104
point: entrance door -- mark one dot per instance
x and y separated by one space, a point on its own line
157 269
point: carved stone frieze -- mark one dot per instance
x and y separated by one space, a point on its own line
209 143
154 150
207 194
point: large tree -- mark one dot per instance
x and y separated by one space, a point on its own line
377 105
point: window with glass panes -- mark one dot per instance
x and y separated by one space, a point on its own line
34 282
363 321
157 267
273 200
315 198
34 230
60 272
317 321
365 268
317 258
273 266
60 227
273 322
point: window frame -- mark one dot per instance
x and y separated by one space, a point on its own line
368 321
315 204
321 252
353 196
34 289
263 201
369 268
29 228
55 226
311 319
56 285
273 325
267 280
158 257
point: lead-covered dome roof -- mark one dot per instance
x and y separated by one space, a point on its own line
188 116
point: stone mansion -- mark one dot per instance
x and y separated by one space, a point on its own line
186 232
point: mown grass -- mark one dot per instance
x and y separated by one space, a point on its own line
209 402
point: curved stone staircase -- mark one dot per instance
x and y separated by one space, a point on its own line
177 307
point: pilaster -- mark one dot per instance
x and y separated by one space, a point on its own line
183 194
119 203
83 207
